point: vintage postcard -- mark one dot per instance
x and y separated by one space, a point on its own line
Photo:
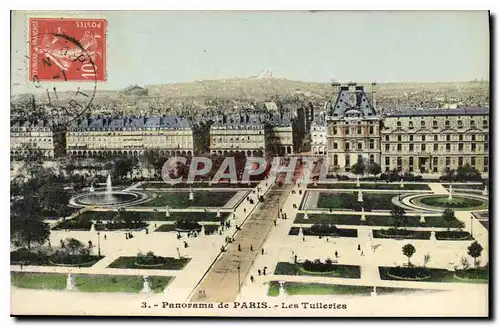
250 164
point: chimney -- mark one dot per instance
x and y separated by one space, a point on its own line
336 87
374 93
352 86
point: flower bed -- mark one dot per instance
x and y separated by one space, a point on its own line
341 232
401 234
453 236
312 268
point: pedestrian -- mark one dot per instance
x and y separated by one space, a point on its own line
262 251
303 239
251 247
362 253
239 247
126 236
359 247
274 222
185 244
259 272
327 239
105 237
336 254
251 278
295 259
222 249
21 266
155 227
244 210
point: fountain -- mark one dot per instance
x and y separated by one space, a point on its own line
145 287
450 197
107 197
109 189
360 196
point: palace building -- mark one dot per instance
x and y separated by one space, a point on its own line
26 136
130 136
423 141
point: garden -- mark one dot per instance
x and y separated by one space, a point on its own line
317 268
370 186
293 288
180 199
149 261
197 185
371 201
371 220
72 254
324 230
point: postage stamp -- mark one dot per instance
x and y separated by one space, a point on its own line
67 49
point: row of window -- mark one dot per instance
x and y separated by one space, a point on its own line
399 161
347 145
472 123
359 131
423 147
448 137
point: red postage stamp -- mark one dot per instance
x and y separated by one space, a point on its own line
67 49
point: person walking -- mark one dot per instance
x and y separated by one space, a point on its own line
336 254
359 247
262 251
239 247
259 272
251 278
274 222
251 247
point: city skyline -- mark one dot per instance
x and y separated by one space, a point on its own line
225 45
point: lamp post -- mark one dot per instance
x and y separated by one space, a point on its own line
98 244
239 281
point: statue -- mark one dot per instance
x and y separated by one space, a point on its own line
357 182
301 233
70 283
450 190
306 216
402 185
145 287
422 219
191 194
360 196
218 212
485 191
283 292
363 216
374 293
167 212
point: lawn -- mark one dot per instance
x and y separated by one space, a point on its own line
293 288
88 283
340 271
38 280
180 199
157 216
371 201
42 259
465 186
168 263
119 283
403 234
371 220
371 186
435 275
342 232
196 185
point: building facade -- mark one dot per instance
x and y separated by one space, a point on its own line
130 136
319 132
26 136
421 141
238 134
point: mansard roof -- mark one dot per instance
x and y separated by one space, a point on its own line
342 106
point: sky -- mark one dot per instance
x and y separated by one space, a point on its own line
169 47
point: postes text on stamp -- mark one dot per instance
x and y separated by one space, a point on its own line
67 49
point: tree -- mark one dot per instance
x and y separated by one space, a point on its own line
358 168
448 217
73 246
27 229
123 167
398 216
474 250
467 173
408 251
374 169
